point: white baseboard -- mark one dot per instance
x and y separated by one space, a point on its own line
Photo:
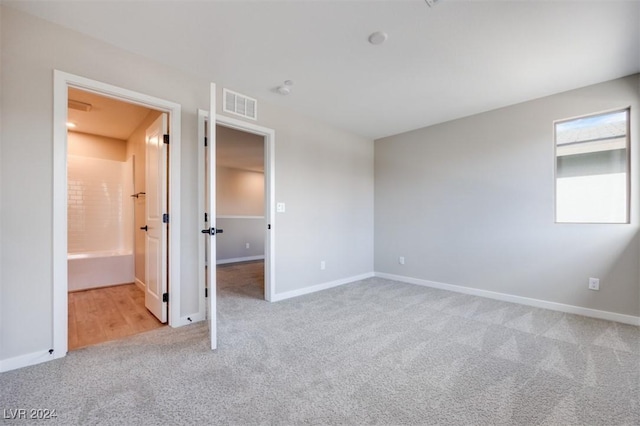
537 303
140 284
26 360
239 259
319 287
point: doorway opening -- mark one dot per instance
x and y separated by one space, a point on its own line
240 207
108 167
120 248
234 251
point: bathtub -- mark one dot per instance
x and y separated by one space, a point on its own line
99 269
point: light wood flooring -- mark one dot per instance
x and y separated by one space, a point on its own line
108 313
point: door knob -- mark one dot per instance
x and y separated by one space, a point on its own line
144 228
212 231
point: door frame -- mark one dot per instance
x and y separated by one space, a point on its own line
269 136
62 81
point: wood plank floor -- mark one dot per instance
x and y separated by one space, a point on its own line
108 313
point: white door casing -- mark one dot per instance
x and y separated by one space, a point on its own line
62 81
156 207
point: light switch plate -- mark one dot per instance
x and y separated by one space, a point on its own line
280 207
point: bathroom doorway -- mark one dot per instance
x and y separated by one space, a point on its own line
116 196
62 81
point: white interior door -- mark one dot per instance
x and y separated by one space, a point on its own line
211 213
156 230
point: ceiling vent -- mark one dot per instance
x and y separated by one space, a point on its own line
238 104
80 106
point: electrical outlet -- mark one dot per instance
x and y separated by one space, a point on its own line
280 207
323 265
247 245
594 283
401 260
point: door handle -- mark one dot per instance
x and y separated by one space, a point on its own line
212 231
144 228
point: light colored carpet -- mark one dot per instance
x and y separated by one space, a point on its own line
374 351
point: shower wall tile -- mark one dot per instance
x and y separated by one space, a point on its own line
95 204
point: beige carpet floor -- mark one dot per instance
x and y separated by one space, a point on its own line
370 352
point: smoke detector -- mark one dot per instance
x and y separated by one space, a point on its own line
378 37
285 89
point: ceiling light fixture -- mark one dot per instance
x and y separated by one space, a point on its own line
285 89
71 125
378 37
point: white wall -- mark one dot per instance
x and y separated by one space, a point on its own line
240 214
470 203
239 192
325 175
231 245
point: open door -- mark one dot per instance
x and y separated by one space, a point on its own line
210 207
155 298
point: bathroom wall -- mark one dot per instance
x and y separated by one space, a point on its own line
87 145
98 177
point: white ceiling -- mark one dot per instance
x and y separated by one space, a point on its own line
452 60
107 117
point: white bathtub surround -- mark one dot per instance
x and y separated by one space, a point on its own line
100 269
99 205
100 222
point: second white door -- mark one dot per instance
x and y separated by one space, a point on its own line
156 229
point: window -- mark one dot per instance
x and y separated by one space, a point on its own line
592 168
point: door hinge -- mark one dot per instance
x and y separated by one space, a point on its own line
206 217
269 226
165 139
206 292
205 141
165 297
165 218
